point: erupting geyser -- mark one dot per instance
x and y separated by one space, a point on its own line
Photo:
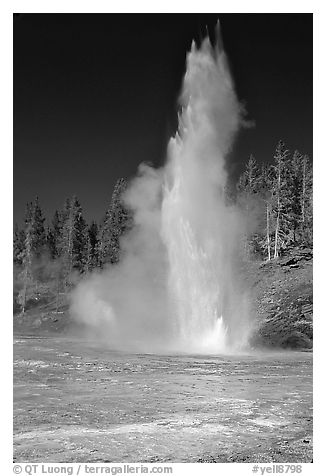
176 286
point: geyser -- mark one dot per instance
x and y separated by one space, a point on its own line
177 286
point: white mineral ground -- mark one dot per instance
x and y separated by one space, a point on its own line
77 402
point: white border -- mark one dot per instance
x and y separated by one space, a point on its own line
95 6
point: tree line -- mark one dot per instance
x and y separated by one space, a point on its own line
48 260
276 200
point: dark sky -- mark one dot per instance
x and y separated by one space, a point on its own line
96 94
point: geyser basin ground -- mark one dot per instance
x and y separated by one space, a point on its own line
76 402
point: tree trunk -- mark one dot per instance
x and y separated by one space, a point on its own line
267 232
23 302
278 212
27 263
276 236
303 193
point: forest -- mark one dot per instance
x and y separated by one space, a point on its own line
276 200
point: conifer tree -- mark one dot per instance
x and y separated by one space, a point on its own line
19 244
92 235
307 202
53 236
72 242
267 223
38 230
33 247
117 220
296 186
265 193
26 274
280 197
80 237
65 241
301 197
247 189
28 213
50 242
249 179
88 261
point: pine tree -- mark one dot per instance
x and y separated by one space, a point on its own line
26 275
80 237
50 242
72 242
92 246
307 201
249 179
38 235
117 220
19 244
266 222
88 262
33 247
296 186
247 189
28 213
281 198
65 240
53 236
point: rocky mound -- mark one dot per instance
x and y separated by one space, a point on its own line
283 296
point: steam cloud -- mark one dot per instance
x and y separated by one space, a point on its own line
176 286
